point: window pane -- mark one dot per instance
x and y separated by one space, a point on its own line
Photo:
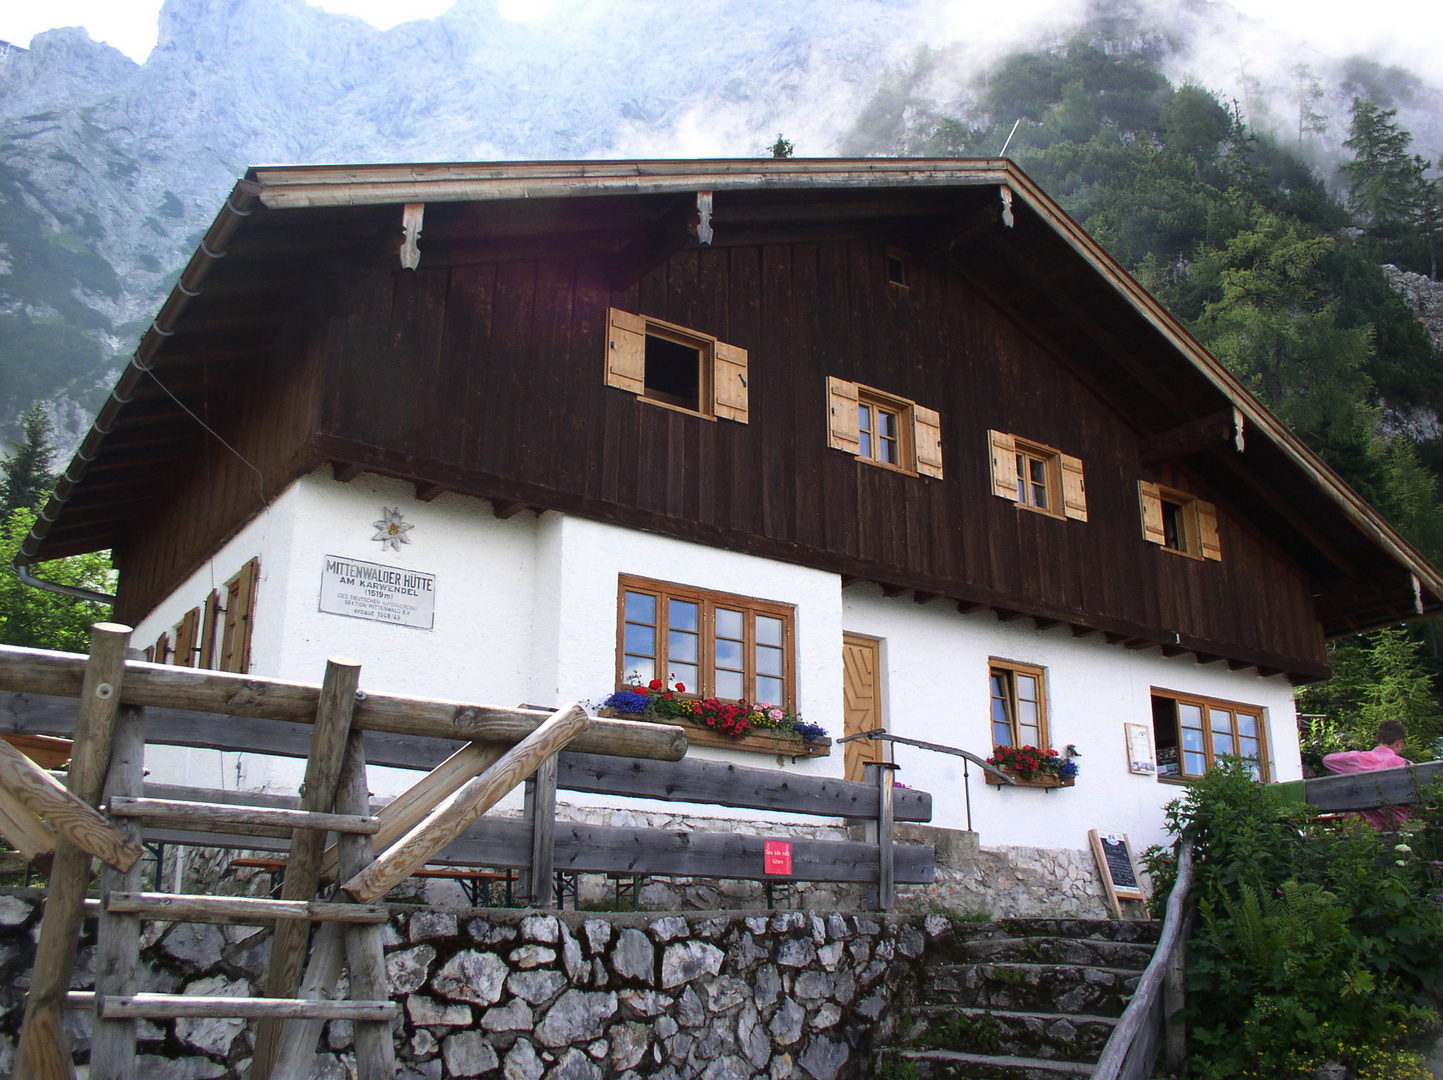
1037 475
682 615
769 630
640 640
886 424
1250 749
640 668
1189 716
1192 740
1193 764
771 691
1021 478
640 607
681 648
864 431
729 684
686 674
1247 726
1001 733
728 623
729 654
769 661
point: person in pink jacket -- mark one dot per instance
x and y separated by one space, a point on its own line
1390 738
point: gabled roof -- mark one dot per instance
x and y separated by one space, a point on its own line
1042 268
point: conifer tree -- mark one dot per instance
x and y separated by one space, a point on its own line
1386 186
27 478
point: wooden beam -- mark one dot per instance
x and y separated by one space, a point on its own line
345 472
74 820
336 704
173 1006
177 813
924 597
38 671
430 492
1206 432
1369 790
44 1052
1044 624
505 509
966 607
893 591
450 819
1080 631
1138 644
239 910
1007 614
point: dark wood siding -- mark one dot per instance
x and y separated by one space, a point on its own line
270 420
488 378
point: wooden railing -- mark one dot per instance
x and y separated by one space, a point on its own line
1131 1050
626 759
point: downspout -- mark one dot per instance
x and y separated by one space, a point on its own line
213 247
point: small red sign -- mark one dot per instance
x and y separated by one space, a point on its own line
777 856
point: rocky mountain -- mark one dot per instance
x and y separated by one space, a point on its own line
111 170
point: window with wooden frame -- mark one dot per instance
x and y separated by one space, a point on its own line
715 644
899 268
676 367
1019 704
884 429
1036 476
240 598
1192 732
1177 521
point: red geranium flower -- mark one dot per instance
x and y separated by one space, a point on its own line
655 684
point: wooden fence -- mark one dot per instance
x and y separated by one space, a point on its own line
195 708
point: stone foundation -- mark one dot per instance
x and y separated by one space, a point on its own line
519 995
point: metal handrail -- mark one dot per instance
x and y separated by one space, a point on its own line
885 736
1132 1048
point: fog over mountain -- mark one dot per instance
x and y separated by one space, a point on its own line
111 170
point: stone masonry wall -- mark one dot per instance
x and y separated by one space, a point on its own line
515 995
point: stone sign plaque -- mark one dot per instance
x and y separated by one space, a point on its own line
388 594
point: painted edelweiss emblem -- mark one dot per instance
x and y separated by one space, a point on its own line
391 530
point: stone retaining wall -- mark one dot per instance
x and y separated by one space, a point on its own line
533 996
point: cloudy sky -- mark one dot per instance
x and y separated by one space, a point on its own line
1408 32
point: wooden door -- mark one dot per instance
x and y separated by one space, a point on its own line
861 701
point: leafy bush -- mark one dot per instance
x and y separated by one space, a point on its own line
1311 946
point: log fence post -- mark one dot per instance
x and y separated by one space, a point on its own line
540 811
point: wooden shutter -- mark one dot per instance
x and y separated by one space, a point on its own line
235 650
206 659
861 702
1074 491
185 638
1207 528
1004 465
842 430
729 382
162 649
1149 497
626 351
927 437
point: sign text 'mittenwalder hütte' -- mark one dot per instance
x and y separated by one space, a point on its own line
387 594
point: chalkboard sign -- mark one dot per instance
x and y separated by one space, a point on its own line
1118 868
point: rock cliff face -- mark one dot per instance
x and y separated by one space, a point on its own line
1423 295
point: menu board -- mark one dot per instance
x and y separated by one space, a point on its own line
1118 868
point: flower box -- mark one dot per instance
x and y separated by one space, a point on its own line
1041 780
757 742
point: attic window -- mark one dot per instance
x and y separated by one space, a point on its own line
898 268
1177 521
673 371
1037 477
884 429
676 367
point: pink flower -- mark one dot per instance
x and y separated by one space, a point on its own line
774 714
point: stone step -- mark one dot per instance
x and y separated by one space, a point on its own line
1144 931
1084 952
1059 988
1049 1036
950 1064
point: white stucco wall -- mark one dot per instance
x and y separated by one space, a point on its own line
525 611
937 666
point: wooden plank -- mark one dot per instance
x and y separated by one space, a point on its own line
117 947
540 811
724 784
450 819
74 820
295 1057
1367 790
173 1006
200 814
886 848
43 1053
1225 425
239 910
404 812
25 832
365 951
303 867
38 671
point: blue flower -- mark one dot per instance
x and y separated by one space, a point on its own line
1067 770
626 701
